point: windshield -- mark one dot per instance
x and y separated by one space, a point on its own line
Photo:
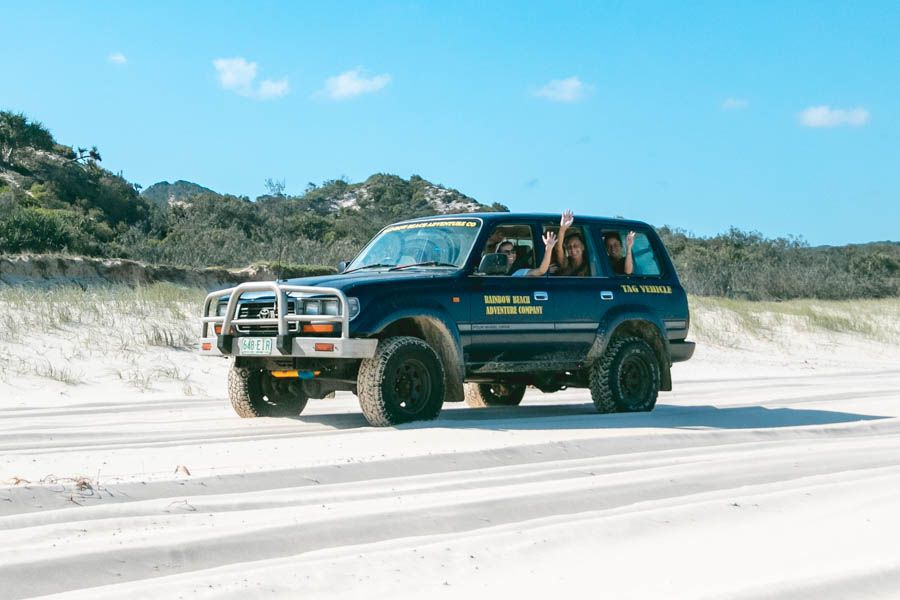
432 243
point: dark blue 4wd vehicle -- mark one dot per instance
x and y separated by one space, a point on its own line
447 309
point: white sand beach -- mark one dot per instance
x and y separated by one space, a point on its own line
771 471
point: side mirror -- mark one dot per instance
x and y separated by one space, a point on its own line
493 264
342 266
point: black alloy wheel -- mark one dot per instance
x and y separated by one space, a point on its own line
403 382
635 381
480 395
411 383
256 393
626 378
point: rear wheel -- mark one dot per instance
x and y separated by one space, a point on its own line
255 393
403 382
626 378
479 395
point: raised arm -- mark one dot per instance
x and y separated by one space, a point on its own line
565 221
549 243
629 261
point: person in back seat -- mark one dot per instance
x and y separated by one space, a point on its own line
622 265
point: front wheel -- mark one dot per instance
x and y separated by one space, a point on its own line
626 377
403 382
479 395
255 393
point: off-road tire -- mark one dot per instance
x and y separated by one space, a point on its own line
255 393
626 377
480 395
403 382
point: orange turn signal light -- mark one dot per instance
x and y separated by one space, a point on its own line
324 347
293 374
218 329
285 374
318 328
207 346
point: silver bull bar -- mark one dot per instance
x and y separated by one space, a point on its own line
286 343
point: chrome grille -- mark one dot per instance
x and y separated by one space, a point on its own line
262 310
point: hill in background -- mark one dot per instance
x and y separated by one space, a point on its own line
55 198
164 193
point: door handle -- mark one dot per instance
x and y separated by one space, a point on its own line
606 295
541 296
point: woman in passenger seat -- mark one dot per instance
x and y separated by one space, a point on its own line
570 255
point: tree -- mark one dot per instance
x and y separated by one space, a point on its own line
86 156
16 132
275 187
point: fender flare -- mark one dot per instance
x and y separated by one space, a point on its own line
641 322
442 334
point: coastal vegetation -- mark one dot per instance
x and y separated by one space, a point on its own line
56 198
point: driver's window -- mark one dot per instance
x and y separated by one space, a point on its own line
516 242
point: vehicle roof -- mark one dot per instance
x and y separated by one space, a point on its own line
491 217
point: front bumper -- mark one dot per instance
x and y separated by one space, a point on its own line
286 343
300 347
681 351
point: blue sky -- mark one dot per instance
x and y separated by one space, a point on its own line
770 116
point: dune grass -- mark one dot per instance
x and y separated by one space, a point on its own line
121 326
724 320
99 322
161 314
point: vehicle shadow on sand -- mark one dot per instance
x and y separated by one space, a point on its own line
583 416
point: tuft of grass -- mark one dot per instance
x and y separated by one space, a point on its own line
139 380
172 372
65 375
155 335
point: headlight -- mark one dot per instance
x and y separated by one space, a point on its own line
220 308
353 303
311 307
331 307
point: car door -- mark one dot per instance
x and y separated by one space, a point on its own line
510 319
649 286
578 302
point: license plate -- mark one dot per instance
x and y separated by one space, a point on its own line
262 346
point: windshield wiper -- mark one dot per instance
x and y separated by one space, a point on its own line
376 265
428 263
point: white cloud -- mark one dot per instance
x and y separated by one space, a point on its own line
571 89
735 103
236 74
239 75
117 58
352 83
273 89
825 116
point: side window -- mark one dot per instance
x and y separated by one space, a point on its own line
516 241
577 250
645 262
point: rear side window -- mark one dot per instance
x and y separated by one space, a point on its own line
645 261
